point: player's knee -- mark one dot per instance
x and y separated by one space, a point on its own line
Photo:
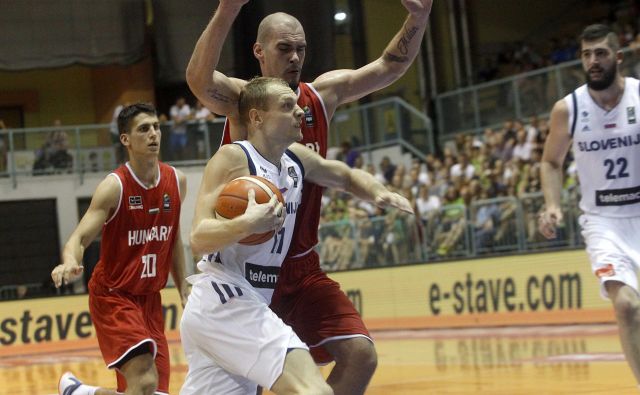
148 382
359 352
625 302
627 307
366 356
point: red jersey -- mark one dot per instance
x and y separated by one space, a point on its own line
315 133
137 241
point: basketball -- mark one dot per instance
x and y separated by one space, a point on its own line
233 201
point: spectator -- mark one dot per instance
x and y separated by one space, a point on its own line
522 148
486 223
60 158
3 149
387 169
180 113
463 168
347 154
202 117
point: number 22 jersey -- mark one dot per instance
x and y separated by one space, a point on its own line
606 146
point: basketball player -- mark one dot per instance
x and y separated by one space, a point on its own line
232 340
306 298
137 208
601 117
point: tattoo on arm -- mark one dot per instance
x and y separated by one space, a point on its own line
394 58
403 46
405 40
216 94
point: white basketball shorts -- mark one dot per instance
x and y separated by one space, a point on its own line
613 245
231 338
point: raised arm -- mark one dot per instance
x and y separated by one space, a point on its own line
342 86
103 203
555 150
209 234
337 175
215 90
177 259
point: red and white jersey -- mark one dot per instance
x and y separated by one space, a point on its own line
137 241
315 133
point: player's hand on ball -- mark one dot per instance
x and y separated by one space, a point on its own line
266 216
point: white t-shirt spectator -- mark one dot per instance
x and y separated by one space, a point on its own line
425 206
179 115
457 171
522 151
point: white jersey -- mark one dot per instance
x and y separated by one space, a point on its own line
606 145
260 264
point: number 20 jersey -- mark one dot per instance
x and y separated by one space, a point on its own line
606 146
137 241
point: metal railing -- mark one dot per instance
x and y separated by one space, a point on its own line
490 104
499 226
384 123
81 149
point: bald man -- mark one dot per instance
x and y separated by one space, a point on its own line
305 298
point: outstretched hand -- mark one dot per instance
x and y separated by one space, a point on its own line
66 273
419 8
548 220
392 199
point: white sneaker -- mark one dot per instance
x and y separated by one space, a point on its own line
68 384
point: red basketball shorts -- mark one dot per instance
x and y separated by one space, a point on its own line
125 322
314 306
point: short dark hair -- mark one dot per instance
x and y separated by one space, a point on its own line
255 94
599 31
130 112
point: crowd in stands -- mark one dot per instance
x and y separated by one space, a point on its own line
501 164
524 56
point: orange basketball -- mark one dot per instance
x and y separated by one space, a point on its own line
233 201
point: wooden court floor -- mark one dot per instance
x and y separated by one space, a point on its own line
581 359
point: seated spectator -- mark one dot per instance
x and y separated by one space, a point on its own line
60 159
452 223
387 169
348 154
463 168
486 223
427 205
522 148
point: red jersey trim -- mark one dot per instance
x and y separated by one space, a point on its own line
119 199
140 182
175 172
324 108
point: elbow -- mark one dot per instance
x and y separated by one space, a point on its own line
195 242
192 77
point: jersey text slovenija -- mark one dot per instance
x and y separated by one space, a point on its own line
606 145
